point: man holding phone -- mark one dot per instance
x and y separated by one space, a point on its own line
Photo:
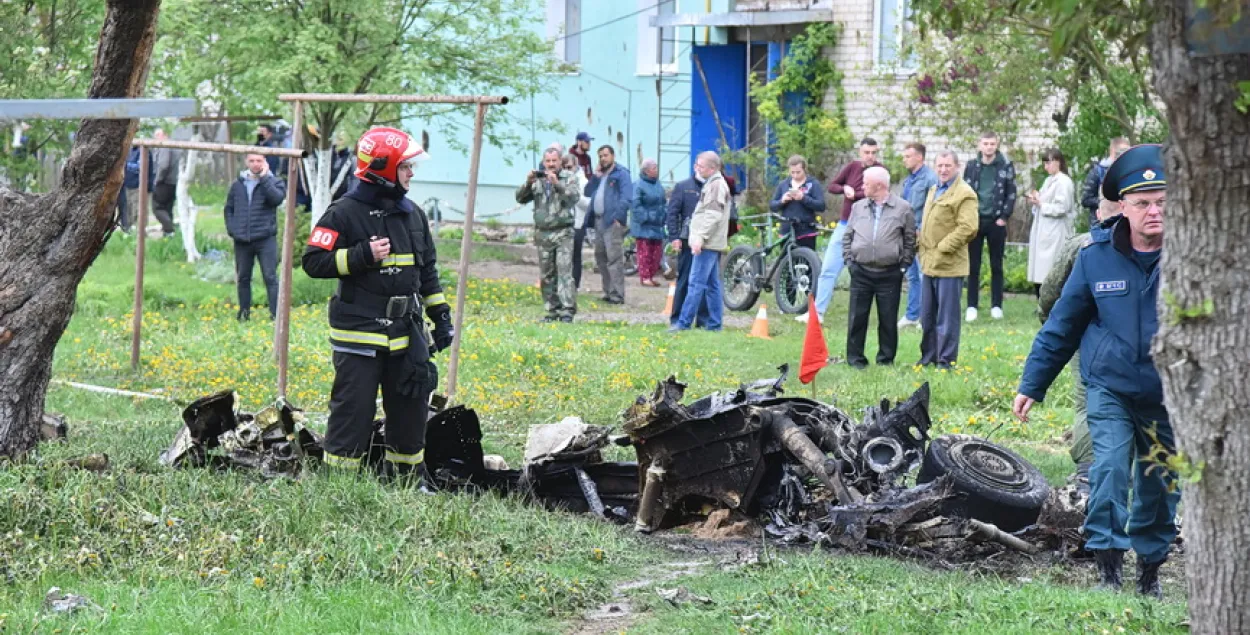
252 221
554 193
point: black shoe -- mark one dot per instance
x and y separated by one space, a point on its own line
1148 579
567 319
858 365
612 301
605 299
244 315
549 318
1110 566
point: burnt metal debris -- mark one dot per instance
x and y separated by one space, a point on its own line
805 471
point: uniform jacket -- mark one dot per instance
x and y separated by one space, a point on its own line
949 224
553 204
1004 183
616 200
681 204
891 246
800 214
254 216
1107 309
711 218
339 248
647 214
1052 225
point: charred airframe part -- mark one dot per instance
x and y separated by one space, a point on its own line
53 427
805 450
208 417
272 440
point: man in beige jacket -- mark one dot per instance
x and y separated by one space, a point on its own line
948 225
709 237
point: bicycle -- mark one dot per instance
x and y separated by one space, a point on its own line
746 273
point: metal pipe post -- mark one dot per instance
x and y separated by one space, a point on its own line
282 332
136 328
466 247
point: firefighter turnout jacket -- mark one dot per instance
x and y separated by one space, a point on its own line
377 304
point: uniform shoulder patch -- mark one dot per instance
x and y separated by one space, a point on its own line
323 237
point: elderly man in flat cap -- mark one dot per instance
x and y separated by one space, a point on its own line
1108 309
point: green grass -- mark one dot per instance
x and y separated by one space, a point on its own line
232 553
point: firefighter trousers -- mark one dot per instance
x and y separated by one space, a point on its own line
353 406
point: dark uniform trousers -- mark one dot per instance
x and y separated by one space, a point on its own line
353 407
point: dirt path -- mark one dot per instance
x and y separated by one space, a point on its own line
642 304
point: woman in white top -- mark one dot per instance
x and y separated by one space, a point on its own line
1054 211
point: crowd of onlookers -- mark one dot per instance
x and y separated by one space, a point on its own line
933 234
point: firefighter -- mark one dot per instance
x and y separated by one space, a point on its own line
378 244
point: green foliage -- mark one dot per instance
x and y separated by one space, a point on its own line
1096 121
49 50
984 60
242 54
819 131
1243 99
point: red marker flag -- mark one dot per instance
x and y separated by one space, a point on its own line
815 353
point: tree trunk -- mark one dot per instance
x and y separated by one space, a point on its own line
48 241
324 181
186 206
1202 349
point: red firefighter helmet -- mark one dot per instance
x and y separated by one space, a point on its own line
380 151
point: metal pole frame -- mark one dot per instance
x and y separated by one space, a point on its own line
466 242
142 238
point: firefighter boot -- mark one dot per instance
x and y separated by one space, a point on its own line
1148 579
1110 565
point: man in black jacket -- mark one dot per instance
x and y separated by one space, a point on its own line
993 178
252 221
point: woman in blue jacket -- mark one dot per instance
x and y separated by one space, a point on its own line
646 223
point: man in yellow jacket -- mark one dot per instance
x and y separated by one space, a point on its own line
948 225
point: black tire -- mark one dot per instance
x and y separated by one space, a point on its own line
796 277
996 485
740 278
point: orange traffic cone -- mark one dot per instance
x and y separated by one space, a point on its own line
668 304
760 327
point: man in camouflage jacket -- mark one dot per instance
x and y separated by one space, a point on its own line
554 193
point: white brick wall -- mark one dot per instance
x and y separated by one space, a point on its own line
878 104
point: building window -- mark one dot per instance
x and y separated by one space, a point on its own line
564 25
651 39
892 22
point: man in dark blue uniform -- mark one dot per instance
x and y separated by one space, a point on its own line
378 244
1108 309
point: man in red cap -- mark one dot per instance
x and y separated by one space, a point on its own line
378 244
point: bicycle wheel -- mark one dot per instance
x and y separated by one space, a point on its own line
739 278
631 261
796 277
